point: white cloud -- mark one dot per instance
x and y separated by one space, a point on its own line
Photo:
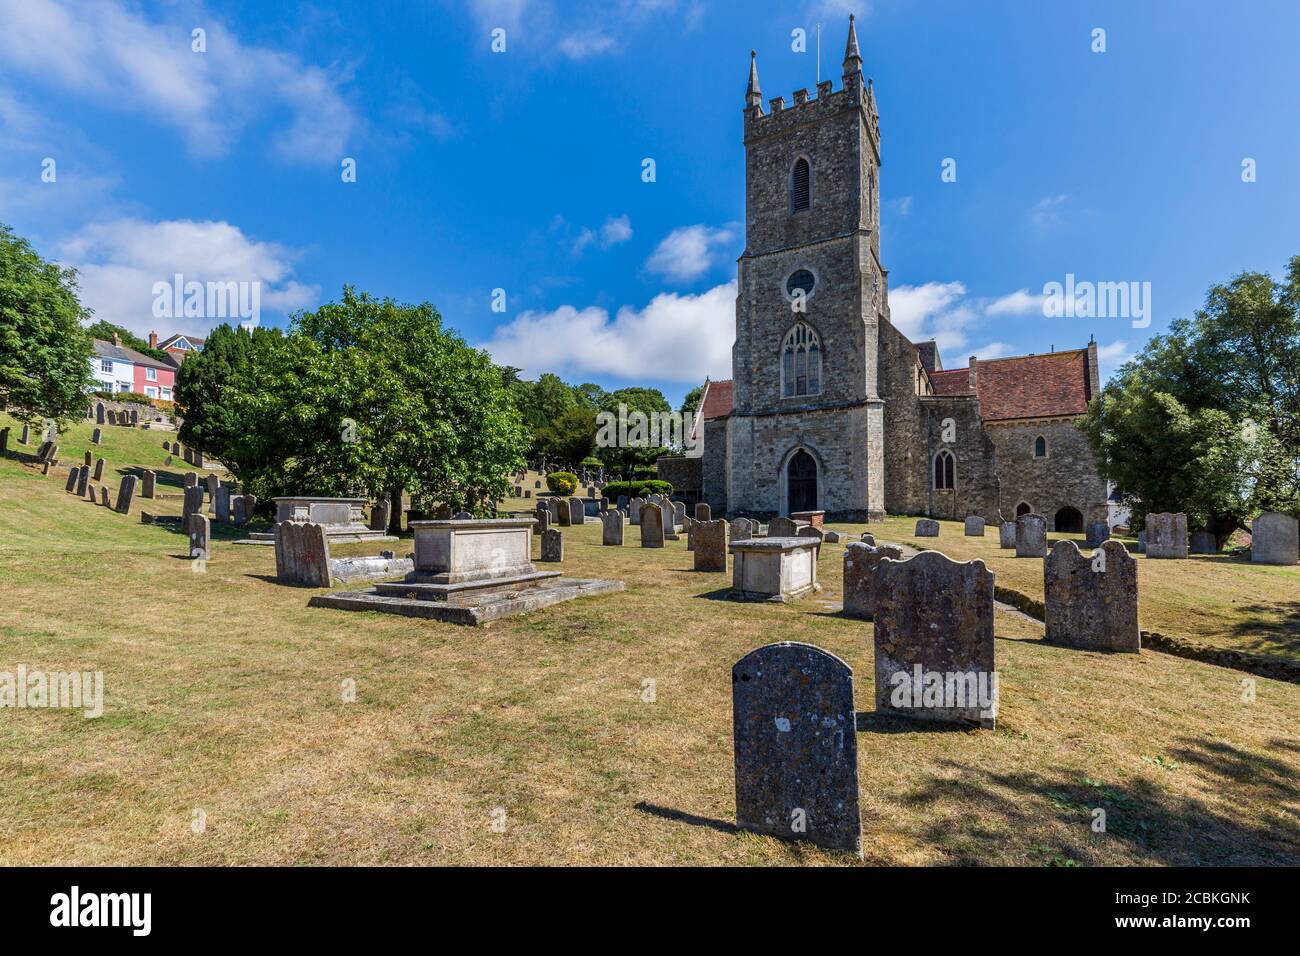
991 351
119 262
675 338
615 230
580 46
902 205
1020 302
547 27
935 310
111 53
688 252
1047 211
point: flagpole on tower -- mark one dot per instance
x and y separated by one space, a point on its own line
819 53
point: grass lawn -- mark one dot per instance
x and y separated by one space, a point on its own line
223 694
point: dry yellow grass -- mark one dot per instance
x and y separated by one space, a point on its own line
223 693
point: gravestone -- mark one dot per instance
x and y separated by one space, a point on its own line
742 529
168 461
927 528
796 746
147 487
652 527
1204 542
1007 534
974 527
669 514
561 512
868 538
103 496
577 513
92 494
26 436
703 512
223 502
213 483
528 493
1092 602
71 486
189 456
1098 534
552 545
167 445
832 537
4 440
679 513
591 491
1166 535
612 528
99 469
519 491
302 553
96 437
860 563
83 478
934 639
1274 539
193 503
126 495
543 519
198 458
462 516
1031 536
811 531
380 514
537 484
99 413
782 528
242 512
88 459
191 479
711 545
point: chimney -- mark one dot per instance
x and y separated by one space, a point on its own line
117 340
153 340
972 379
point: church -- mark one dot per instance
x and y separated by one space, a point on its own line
830 407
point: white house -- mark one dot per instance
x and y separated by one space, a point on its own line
112 367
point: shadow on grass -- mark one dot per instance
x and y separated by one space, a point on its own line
681 816
875 722
1149 822
1269 627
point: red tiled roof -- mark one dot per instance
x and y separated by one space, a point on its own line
1027 386
718 399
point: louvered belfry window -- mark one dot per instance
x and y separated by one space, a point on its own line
800 186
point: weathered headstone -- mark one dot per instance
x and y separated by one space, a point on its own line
591 491
1098 534
189 456
742 529
552 545
1166 535
1031 536
92 494
1204 542
147 488
577 512
99 413
1007 534
934 639
543 515
1092 602
71 486
191 479
669 517
223 502
302 553
1274 539
612 528
213 483
83 478
26 437
103 496
380 515
974 527
240 510
126 494
796 746
634 511
832 537
652 527
88 459
462 516
99 469
711 545
561 512
868 538
168 461
927 528
782 528
860 563
703 512
4 440
679 513
193 503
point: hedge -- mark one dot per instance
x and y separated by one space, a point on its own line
562 482
636 489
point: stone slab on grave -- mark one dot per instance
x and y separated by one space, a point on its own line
774 569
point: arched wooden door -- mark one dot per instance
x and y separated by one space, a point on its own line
801 482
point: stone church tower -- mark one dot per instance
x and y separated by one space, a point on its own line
807 428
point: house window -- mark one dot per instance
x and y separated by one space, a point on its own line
124 386
106 365
801 362
1040 447
151 391
800 186
151 375
167 394
945 470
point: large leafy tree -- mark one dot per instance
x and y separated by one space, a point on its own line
1206 419
105 330
44 350
202 383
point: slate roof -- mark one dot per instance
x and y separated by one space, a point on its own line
121 353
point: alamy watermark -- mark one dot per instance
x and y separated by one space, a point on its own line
950 690
207 300
626 429
67 690
1098 300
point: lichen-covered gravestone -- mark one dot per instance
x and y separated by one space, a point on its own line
703 512
711 545
611 531
934 639
200 530
577 511
782 528
1098 534
380 514
1166 535
149 484
561 513
860 563
1007 534
552 545
126 495
652 526
193 502
742 529
1274 539
927 528
974 527
302 553
634 511
796 746
1092 602
1031 536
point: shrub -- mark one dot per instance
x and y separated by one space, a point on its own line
637 489
562 482
592 462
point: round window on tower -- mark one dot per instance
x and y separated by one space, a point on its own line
801 279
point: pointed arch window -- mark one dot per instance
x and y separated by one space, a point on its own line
801 362
800 186
1040 447
945 470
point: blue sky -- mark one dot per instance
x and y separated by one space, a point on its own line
521 170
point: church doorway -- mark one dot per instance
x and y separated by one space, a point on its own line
801 482
1069 519
1023 509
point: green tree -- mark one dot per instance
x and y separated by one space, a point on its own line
201 386
691 402
105 330
44 350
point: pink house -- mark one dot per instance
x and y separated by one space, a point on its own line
153 378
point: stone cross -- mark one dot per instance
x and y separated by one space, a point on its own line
934 639
1031 536
860 563
796 746
1092 602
